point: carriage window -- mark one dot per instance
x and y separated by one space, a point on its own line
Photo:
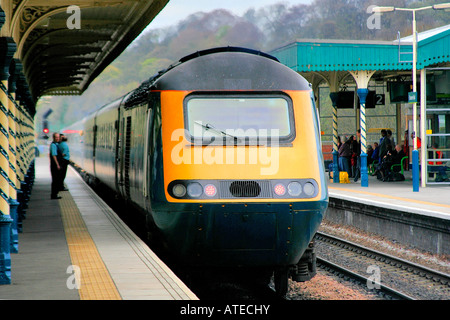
239 117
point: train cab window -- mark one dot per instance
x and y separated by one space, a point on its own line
240 117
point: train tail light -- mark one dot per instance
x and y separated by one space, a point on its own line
210 190
280 189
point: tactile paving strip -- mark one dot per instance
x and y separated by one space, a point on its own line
95 280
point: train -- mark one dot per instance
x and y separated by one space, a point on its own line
221 152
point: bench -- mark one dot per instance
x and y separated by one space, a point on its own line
435 170
399 165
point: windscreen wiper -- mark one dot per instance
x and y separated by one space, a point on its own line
211 127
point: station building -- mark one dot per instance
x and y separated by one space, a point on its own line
339 69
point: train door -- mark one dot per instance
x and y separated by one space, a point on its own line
120 152
124 151
117 150
146 180
153 104
94 147
126 156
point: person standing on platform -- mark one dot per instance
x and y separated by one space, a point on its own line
357 151
384 142
55 167
391 138
344 156
65 154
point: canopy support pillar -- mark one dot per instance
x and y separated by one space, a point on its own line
362 78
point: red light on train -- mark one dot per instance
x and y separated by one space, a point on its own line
210 190
280 189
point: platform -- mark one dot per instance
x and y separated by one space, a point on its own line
433 200
79 235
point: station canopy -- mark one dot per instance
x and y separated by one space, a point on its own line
387 58
60 57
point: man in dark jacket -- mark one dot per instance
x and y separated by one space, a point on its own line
391 158
345 154
384 143
65 157
357 153
55 167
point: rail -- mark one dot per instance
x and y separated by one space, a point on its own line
404 277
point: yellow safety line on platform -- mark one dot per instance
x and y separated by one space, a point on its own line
96 282
393 197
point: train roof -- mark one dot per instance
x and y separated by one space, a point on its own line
224 68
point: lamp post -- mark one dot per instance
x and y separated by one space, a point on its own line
415 153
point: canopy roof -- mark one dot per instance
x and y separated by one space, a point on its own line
59 60
342 55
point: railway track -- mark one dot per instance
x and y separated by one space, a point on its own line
392 276
385 291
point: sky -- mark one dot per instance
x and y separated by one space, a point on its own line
177 10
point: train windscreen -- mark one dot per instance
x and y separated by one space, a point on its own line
249 117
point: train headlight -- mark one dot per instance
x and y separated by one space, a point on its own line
210 190
309 189
179 190
294 189
194 190
280 189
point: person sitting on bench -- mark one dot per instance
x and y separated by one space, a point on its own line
437 166
392 157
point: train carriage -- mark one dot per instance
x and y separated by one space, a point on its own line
222 153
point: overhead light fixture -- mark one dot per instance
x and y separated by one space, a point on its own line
382 9
441 6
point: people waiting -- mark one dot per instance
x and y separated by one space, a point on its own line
345 154
391 158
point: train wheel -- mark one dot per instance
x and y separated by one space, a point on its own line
281 277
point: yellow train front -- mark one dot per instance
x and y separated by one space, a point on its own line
242 166
222 153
